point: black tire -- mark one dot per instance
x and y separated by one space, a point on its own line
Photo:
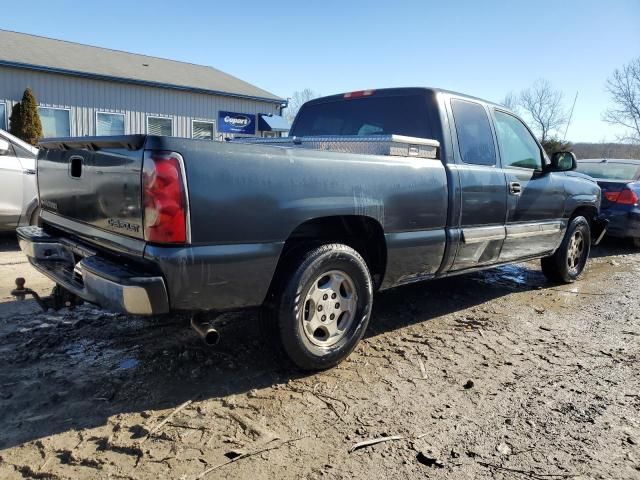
636 242
567 264
289 305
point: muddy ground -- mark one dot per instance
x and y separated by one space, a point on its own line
490 375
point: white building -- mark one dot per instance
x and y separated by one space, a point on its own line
85 91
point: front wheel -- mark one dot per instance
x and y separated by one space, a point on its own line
323 305
568 262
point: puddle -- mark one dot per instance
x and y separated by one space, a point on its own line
83 350
512 276
128 364
90 353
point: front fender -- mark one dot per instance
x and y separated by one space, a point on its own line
583 200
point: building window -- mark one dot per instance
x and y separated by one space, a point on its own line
202 130
3 116
160 126
56 122
108 124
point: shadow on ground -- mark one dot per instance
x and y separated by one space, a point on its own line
613 247
75 369
8 242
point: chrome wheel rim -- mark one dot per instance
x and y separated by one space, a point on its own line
576 249
329 308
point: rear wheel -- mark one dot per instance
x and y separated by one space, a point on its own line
322 305
568 262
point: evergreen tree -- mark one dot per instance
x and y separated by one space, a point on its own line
553 144
31 130
15 120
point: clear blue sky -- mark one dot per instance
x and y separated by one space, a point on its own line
484 48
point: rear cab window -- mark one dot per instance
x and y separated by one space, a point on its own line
374 115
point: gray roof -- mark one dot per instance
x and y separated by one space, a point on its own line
39 53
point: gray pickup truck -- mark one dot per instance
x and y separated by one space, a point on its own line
373 189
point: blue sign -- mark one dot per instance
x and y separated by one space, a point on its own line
231 122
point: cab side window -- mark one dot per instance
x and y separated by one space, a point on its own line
517 146
475 140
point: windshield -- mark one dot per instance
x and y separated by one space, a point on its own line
384 115
610 170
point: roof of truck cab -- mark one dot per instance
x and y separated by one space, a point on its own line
32 52
405 91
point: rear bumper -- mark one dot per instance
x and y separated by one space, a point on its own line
92 278
623 223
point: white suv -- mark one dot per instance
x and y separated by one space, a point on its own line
18 190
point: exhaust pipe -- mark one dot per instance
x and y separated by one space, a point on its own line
210 336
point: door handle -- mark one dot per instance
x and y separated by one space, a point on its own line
515 188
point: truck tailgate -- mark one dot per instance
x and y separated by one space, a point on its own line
94 181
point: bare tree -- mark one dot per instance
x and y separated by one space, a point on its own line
510 101
543 105
624 88
296 101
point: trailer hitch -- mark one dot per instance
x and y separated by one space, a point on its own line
20 292
59 298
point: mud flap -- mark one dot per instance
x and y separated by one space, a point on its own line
598 229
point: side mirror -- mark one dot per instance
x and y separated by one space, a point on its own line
563 162
5 147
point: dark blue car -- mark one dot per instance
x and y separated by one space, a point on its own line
620 184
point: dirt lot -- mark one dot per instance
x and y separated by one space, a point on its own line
489 375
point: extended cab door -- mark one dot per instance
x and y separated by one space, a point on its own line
535 204
482 189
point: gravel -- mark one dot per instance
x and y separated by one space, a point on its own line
551 378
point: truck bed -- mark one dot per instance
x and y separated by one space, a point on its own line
244 201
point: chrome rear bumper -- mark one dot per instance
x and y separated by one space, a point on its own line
94 279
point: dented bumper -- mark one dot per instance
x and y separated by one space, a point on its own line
97 280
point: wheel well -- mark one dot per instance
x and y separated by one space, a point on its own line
588 212
364 234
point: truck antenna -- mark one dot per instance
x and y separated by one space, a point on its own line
570 115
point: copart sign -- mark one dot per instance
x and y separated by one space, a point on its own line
232 122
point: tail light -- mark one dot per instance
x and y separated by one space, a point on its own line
627 197
164 197
624 197
612 196
359 94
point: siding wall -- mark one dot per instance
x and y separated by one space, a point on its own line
84 97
